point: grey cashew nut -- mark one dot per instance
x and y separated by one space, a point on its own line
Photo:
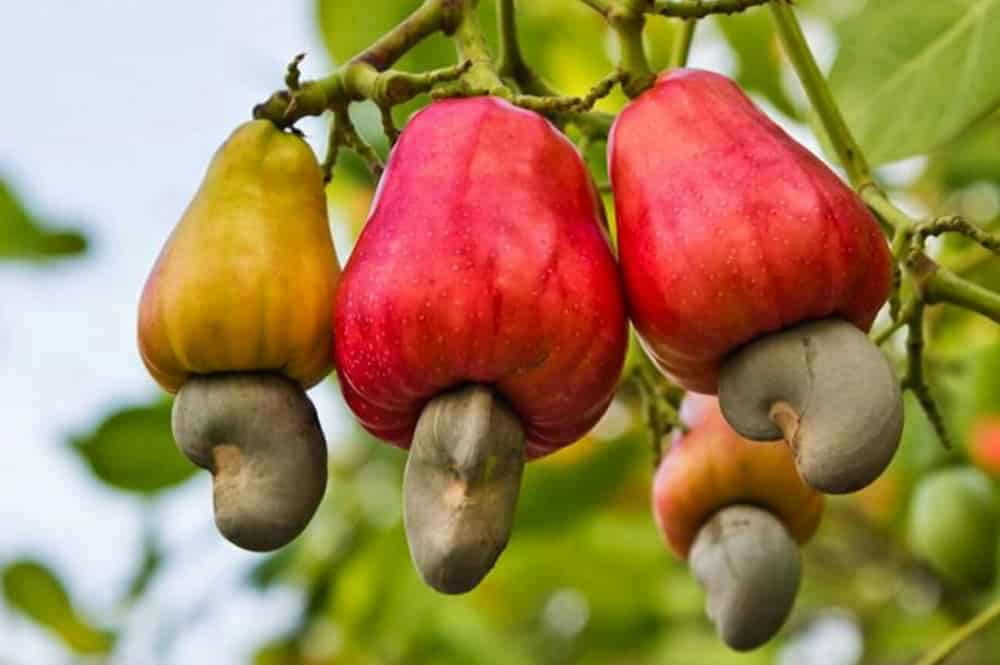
828 391
259 436
750 569
460 487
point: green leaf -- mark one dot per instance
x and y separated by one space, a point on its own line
133 449
752 37
34 591
912 75
270 569
149 565
24 237
554 496
348 28
972 157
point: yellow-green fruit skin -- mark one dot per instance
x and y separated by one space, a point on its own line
953 525
247 279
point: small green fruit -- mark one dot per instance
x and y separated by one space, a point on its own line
953 525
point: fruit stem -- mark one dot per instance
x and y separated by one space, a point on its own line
938 654
628 25
682 44
482 77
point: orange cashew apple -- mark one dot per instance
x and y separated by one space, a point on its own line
737 511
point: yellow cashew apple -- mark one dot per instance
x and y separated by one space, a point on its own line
246 281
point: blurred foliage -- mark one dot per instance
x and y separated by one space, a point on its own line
35 591
133 449
27 238
930 63
586 578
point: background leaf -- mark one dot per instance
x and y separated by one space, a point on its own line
24 237
911 75
133 449
752 37
34 591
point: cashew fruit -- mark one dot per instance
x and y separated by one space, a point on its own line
953 525
737 511
236 317
731 233
483 263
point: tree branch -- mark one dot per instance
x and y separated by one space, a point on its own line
701 8
938 655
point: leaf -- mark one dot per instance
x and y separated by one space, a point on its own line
912 75
270 569
752 37
133 449
34 591
149 565
348 28
24 237
972 157
554 496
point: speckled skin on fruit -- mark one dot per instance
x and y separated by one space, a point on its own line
246 280
712 467
483 261
728 229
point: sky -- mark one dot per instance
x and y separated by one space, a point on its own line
111 112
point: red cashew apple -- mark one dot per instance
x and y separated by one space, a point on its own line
737 511
479 322
751 270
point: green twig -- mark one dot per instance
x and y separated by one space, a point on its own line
914 379
510 60
638 76
940 653
682 44
357 78
693 9
955 224
292 74
389 125
947 287
900 319
600 90
661 404
343 134
481 77
819 94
